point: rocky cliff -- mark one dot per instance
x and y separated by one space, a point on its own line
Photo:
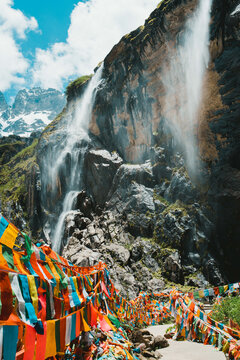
139 207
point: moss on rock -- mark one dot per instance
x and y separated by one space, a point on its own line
75 85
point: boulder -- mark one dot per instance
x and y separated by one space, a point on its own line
160 342
73 247
132 196
173 269
145 251
142 336
118 252
100 166
84 203
156 285
174 227
86 257
158 354
181 188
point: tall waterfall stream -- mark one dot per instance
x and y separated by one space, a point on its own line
77 131
183 81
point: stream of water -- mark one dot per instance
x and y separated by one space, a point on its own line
183 81
77 131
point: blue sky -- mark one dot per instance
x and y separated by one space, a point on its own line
48 43
53 18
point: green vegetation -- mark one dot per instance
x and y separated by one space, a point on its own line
180 287
160 198
178 205
164 3
228 309
5 146
13 175
75 85
8 150
51 127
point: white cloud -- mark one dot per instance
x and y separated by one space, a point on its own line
95 27
13 25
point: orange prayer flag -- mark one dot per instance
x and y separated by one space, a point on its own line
62 333
18 264
3 262
29 345
94 315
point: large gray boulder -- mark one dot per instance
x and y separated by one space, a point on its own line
160 342
86 257
118 252
173 269
100 167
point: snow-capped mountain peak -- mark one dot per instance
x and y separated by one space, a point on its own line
32 110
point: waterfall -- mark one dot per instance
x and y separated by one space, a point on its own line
183 81
69 155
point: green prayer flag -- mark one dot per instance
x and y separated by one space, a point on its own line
114 320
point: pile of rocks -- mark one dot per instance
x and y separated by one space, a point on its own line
131 261
148 343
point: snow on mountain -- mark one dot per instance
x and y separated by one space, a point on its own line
32 110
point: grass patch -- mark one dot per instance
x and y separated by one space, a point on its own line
178 205
13 175
160 198
8 150
74 85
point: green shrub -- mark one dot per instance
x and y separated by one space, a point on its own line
228 309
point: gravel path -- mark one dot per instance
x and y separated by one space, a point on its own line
186 350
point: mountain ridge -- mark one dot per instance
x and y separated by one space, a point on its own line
32 110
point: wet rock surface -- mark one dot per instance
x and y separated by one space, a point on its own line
145 237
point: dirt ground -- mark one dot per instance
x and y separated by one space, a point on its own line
186 350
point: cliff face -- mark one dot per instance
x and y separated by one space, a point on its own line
172 222
129 112
224 123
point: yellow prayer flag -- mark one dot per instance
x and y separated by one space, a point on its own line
84 325
9 236
51 340
226 347
33 292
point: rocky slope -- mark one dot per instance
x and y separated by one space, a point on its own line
31 111
139 208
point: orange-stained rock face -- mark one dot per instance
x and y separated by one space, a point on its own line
143 95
